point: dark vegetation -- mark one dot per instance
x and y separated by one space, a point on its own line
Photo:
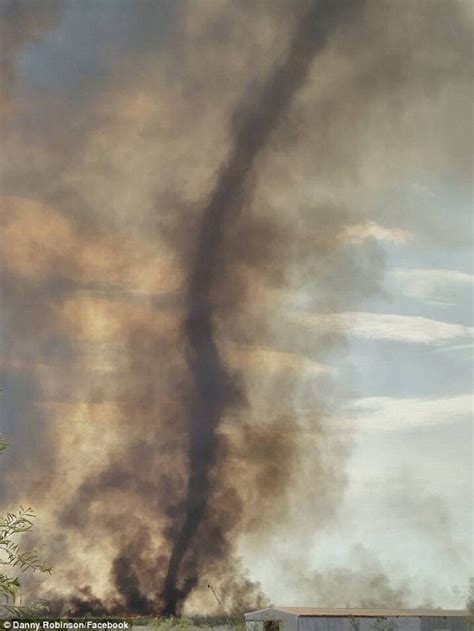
15 560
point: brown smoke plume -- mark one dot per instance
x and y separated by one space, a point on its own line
214 389
161 400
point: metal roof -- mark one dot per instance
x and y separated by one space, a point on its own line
363 613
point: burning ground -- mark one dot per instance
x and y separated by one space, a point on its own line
178 180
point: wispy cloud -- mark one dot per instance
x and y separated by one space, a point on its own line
386 326
358 233
428 284
391 413
455 348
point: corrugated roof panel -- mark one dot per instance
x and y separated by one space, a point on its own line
377 613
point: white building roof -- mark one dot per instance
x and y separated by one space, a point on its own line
361 613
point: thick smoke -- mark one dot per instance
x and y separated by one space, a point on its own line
214 390
364 583
215 175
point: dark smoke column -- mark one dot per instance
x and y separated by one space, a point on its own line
213 391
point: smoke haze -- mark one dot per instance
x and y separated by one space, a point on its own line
178 179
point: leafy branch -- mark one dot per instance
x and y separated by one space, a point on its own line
13 556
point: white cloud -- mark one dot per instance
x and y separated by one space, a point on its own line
455 347
429 284
358 233
385 326
391 414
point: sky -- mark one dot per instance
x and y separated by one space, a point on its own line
342 298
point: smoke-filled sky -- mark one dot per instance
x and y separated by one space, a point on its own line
236 296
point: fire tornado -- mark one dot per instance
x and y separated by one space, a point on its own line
214 390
